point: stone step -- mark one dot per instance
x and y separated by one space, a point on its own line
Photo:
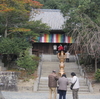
57 71
53 58
81 90
68 92
45 74
46 86
69 78
68 75
53 64
49 66
56 65
57 68
43 86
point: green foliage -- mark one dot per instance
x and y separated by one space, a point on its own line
48 4
15 23
81 62
16 28
35 58
13 46
27 62
79 10
84 26
37 28
97 75
52 4
16 15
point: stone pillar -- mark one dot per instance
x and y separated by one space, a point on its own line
30 51
1 65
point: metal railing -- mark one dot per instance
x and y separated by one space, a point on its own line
84 74
36 84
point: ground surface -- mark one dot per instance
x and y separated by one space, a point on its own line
27 84
31 95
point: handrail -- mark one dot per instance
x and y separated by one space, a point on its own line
79 67
83 73
36 84
39 70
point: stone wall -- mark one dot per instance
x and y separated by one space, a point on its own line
8 80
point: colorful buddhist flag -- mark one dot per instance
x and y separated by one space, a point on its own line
54 38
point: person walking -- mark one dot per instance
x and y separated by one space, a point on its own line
75 88
62 86
52 84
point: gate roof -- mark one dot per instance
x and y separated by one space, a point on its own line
52 17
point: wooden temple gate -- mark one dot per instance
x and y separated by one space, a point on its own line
44 44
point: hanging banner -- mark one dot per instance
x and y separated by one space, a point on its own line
54 38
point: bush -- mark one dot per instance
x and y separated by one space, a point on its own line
97 75
81 62
27 62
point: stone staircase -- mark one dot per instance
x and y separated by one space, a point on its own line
51 62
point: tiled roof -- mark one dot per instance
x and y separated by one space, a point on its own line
53 17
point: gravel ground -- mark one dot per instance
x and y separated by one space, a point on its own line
33 95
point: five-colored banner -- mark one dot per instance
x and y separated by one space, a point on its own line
54 38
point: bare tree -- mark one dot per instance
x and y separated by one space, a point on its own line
87 37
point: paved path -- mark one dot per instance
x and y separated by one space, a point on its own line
37 95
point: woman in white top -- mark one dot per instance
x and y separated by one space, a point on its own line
67 56
75 88
54 49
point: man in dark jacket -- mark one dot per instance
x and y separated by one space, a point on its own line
52 84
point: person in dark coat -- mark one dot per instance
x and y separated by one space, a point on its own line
52 84
62 83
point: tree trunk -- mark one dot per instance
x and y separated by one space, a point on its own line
5 35
95 64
